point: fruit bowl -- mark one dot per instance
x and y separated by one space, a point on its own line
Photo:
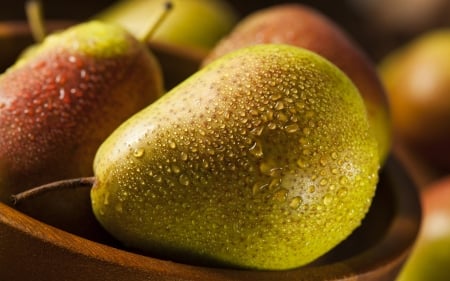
34 250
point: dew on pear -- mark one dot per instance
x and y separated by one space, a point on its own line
302 163
274 183
176 169
282 117
184 156
291 128
257 131
327 199
280 195
342 191
138 152
172 144
323 182
279 105
295 202
272 126
183 180
256 149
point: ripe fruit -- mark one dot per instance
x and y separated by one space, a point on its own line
263 159
417 79
197 24
302 26
61 99
430 257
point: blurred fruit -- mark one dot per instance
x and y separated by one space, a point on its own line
417 79
430 258
197 24
305 27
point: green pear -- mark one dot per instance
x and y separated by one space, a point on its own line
303 26
196 24
430 257
263 159
62 98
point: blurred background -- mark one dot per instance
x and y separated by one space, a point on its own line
378 25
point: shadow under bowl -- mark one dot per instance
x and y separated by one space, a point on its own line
31 249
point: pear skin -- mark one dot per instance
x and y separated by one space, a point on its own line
263 159
62 99
305 27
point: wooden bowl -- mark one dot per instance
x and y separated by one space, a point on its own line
34 250
36 244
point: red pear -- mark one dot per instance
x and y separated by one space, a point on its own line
63 97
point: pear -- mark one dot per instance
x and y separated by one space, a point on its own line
63 97
417 79
305 27
263 160
430 256
192 24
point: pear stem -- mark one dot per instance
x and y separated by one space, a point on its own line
35 17
53 186
168 6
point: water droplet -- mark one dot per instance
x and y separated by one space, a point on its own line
184 180
301 163
343 180
256 149
268 116
279 105
291 128
175 169
323 182
257 187
158 179
275 97
342 192
280 195
327 199
172 144
272 126
295 202
257 131
274 183
138 153
311 189
72 59
184 156
269 169
282 117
